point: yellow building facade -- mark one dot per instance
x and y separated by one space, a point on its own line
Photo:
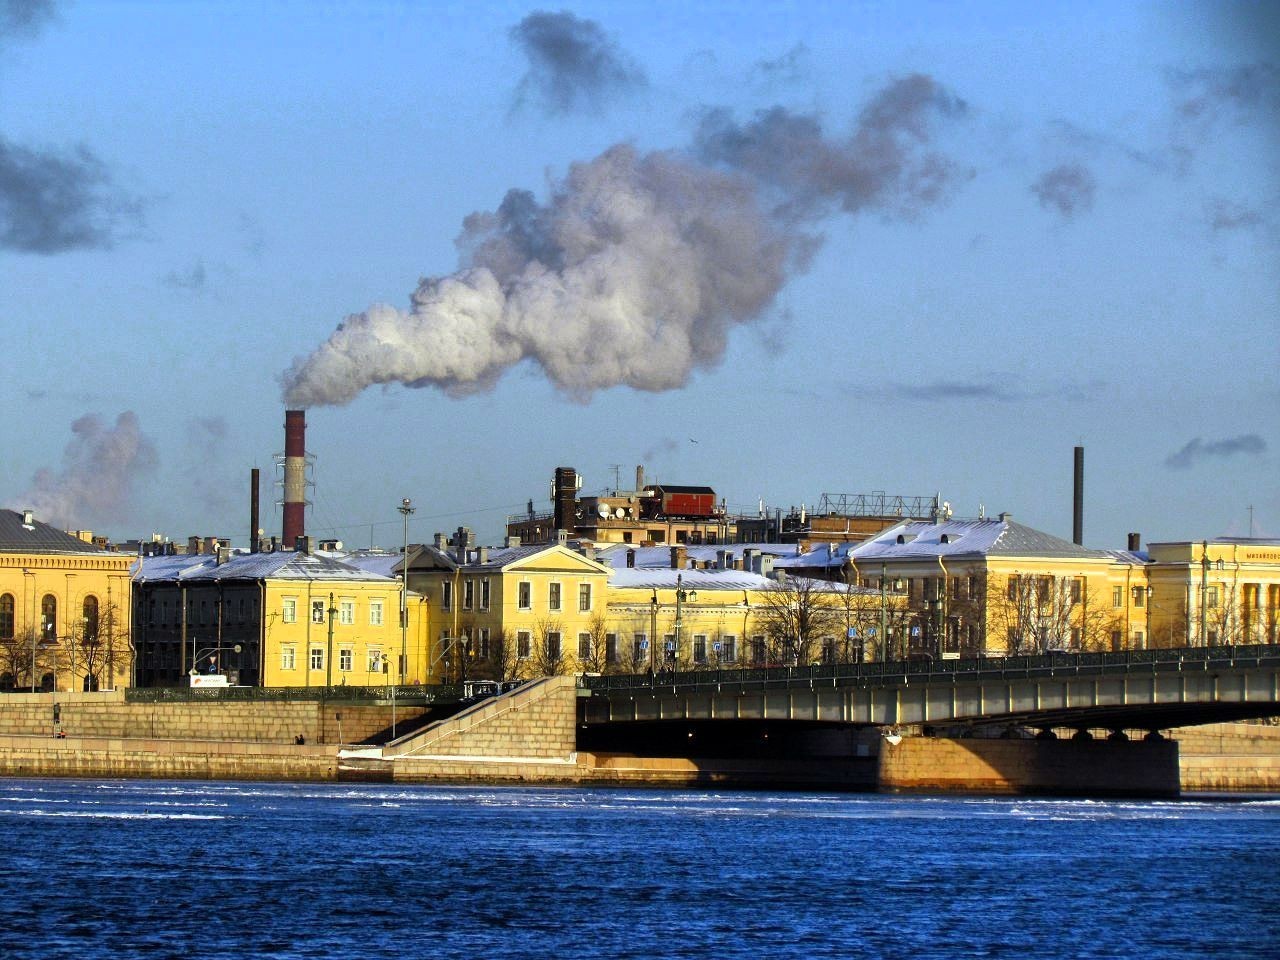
284 619
64 609
1212 592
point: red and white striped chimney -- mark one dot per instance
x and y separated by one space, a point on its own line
295 477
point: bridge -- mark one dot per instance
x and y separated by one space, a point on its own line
1136 689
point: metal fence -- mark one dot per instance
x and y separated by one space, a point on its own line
942 671
407 696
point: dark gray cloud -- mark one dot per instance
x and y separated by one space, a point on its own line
790 67
994 388
1067 188
1205 93
206 465
573 63
943 390
1227 215
1198 449
660 448
52 202
883 164
25 18
191 279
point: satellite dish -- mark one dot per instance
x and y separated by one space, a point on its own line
618 513
603 510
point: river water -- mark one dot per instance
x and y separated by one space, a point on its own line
162 869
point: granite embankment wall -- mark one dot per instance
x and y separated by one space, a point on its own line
108 715
1226 757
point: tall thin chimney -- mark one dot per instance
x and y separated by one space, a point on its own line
295 476
1077 500
639 477
253 510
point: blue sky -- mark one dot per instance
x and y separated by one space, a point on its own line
951 242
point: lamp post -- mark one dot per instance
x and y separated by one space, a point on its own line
406 509
215 650
681 596
1204 594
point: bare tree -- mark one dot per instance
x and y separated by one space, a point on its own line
548 648
597 659
795 614
1042 613
18 655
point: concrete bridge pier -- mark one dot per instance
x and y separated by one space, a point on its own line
1079 766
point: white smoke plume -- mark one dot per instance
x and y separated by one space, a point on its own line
99 467
638 266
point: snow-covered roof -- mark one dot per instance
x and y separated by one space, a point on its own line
279 565
922 538
615 554
383 564
664 578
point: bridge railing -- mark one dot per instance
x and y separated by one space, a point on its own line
975 668
406 696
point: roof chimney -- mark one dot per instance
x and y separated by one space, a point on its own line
1135 542
631 558
639 477
512 541
305 545
564 491
679 558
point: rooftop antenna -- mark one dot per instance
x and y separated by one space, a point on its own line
617 477
1251 521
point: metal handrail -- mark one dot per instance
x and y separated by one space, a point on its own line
411 695
899 671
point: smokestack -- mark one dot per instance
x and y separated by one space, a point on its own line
639 477
563 494
1135 542
1077 501
295 476
253 510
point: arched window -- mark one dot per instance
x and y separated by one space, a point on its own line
6 616
90 619
49 618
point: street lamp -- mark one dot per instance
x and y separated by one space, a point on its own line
406 508
681 596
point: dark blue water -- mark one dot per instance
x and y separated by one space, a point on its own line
176 869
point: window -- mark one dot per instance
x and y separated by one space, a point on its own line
1139 597
669 647
522 644
611 648
553 596
289 609
6 616
553 645
699 648
1115 640
347 612
375 612
446 595
482 638
484 594
377 663
49 618
1212 598
524 595
317 658
90 612
1075 638
1013 588
288 657
584 646
1077 589
345 659
639 647
757 649
317 611
658 536
468 593
728 649
1117 597
584 597
204 610
1137 640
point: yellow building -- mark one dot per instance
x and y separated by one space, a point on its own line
998 587
509 612
1223 591
279 619
64 609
